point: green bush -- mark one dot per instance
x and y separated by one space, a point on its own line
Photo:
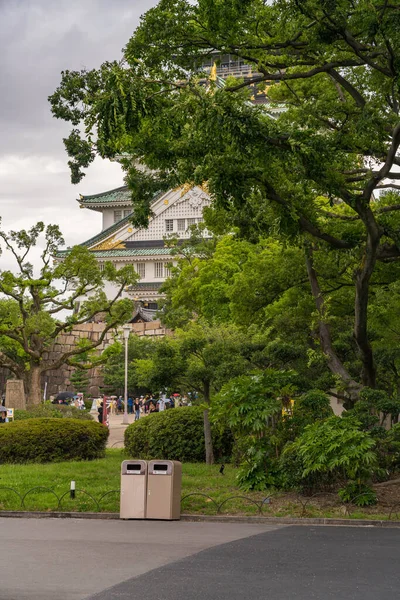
55 411
51 440
359 494
175 434
327 452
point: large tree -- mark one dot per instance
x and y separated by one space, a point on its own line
199 358
39 304
314 172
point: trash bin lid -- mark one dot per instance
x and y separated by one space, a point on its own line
134 467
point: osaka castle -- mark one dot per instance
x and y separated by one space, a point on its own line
122 243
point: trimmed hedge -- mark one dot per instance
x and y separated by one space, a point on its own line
175 434
55 411
51 440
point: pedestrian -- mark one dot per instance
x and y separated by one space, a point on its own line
100 411
152 407
120 405
161 403
137 409
130 405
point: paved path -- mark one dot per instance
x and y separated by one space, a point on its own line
117 430
294 563
71 559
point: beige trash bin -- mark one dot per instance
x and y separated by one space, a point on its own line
133 489
164 490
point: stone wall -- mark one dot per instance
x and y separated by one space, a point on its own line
59 380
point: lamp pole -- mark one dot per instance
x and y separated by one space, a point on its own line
127 330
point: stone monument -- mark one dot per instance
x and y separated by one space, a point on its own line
15 394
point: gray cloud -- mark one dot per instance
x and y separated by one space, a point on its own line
39 39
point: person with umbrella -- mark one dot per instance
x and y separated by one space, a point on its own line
63 397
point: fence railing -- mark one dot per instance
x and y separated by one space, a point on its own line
295 505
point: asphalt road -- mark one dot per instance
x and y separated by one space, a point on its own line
63 559
72 559
293 563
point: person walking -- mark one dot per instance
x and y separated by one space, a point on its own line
100 411
161 403
130 405
137 409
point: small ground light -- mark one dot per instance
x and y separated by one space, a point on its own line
72 489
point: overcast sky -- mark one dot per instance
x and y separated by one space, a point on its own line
38 39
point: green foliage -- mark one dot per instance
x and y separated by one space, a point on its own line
51 440
332 450
55 411
307 176
308 408
246 404
373 407
357 493
139 348
175 434
250 408
258 470
80 380
32 302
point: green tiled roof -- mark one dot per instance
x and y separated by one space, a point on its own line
142 285
96 239
132 252
121 194
125 252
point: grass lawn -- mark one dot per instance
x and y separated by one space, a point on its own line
100 476
100 480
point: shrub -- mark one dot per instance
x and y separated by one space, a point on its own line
176 434
55 411
51 440
330 451
358 493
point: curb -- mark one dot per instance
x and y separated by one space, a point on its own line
208 519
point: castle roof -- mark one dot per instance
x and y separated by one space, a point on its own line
121 196
121 252
99 237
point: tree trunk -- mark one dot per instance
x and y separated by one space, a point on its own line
362 278
207 428
334 362
32 380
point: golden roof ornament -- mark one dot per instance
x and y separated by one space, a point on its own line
109 244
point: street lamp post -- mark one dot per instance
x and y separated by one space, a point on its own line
127 330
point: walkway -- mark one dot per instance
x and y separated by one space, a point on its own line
117 430
71 559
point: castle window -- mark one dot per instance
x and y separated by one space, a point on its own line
181 224
167 272
117 215
169 225
101 267
158 270
141 269
191 222
127 212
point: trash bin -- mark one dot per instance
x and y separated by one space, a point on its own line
133 489
164 489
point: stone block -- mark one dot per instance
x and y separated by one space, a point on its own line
15 394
